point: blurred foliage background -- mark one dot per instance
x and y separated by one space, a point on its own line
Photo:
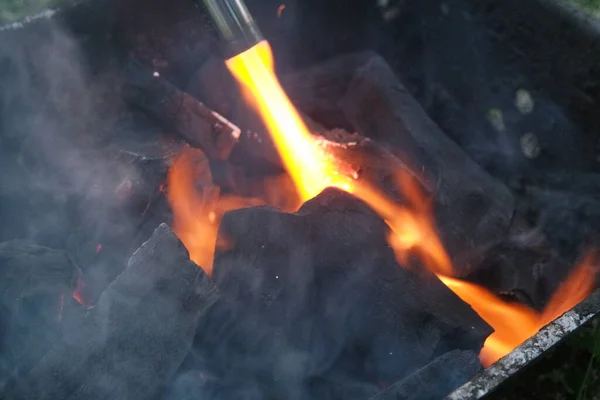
12 10
591 6
570 371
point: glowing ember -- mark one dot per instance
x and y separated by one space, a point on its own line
280 10
79 289
124 190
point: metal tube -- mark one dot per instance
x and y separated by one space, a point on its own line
235 24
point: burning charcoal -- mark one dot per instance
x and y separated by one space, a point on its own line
347 391
319 291
214 84
568 220
555 223
576 182
436 380
193 385
318 89
27 209
338 386
114 200
473 209
255 145
523 267
135 337
35 284
200 125
367 161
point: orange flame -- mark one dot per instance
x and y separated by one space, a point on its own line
198 212
313 170
309 170
515 323
412 225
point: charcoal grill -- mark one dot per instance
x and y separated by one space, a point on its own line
565 69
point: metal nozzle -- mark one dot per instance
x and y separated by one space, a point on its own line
235 24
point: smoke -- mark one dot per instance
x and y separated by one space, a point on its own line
65 182
51 119
61 185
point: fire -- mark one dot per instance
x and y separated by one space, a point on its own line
515 323
311 169
412 229
198 211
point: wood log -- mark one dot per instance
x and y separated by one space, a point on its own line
135 337
436 380
473 210
320 290
198 124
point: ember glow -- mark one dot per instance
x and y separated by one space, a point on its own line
312 169
280 10
79 289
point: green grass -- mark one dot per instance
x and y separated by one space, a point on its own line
13 10
590 341
571 371
591 6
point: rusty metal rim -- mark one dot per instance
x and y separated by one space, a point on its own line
488 380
